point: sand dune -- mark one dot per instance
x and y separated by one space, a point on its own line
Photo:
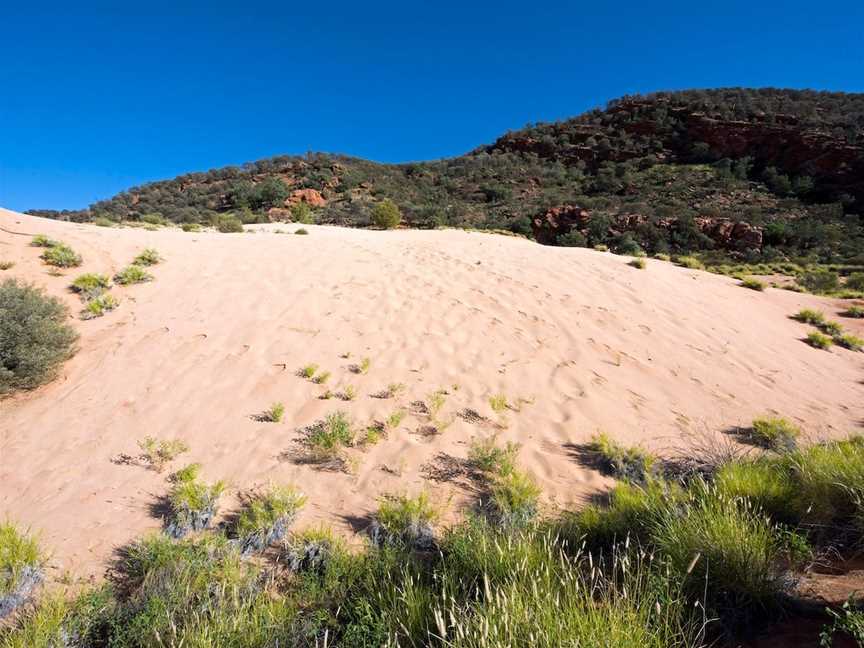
586 341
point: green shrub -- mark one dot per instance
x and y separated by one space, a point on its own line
20 566
847 621
321 377
266 516
274 414
405 521
725 552
849 341
856 312
774 433
147 257
301 213
818 341
660 256
101 221
302 231
90 285
601 248
132 274
753 284
190 227
810 316
61 256
690 262
193 505
98 306
573 238
487 456
630 464
638 263
326 439
819 281
831 328
308 371
40 240
154 219
157 453
34 336
513 498
855 281
386 214
228 224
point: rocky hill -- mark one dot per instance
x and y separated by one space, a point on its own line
759 173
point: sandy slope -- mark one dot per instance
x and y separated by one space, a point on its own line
596 345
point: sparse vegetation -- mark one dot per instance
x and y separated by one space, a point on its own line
308 371
498 403
809 316
856 312
266 516
302 231
405 521
818 340
638 263
228 224
6 265
394 420
690 262
40 240
132 274
34 336
90 285
775 433
147 257
98 306
513 498
61 256
20 568
192 505
349 393
157 453
753 284
487 456
630 464
327 439
849 341
321 378
273 414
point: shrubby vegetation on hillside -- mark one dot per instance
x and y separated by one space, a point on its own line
641 156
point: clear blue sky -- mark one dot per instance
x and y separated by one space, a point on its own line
97 97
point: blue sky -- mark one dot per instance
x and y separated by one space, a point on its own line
96 97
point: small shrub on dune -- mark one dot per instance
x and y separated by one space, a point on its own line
147 257
810 316
856 312
601 248
266 517
753 284
774 433
513 499
34 336
661 256
486 455
386 215
690 262
818 340
190 227
638 263
349 393
327 439
307 371
405 522
394 420
20 568
849 341
192 506
157 453
302 213
61 256
90 285
302 231
101 221
98 306
819 281
40 240
273 414
228 224
132 274
6 265
630 464
831 328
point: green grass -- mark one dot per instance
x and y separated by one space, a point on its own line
327 438
394 420
775 433
486 455
849 341
810 316
321 378
689 262
394 389
831 328
818 340
157 453
147 257
630 464
856 312
302 231
349 393
267 514
189 472
40 240
35 338
61 256
406 520
308 371
638 263
601 248
765 483
98 306
498 403
193 503
190 227
513 498
19 554
660 256
90 284
132 274
753 284
273 414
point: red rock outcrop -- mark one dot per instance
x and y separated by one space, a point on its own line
311 197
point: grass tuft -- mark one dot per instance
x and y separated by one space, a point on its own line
774 433
132 274
147 257
405 521
266 516
61 256
630 464
638 263
810 316
818 340
753 284
855 312
849 341
156 453
90 285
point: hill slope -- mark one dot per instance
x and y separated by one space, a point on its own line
664 169
576 340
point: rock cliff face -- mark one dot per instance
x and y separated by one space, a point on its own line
726 234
